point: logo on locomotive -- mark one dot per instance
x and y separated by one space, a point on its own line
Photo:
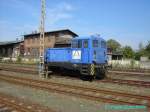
76 54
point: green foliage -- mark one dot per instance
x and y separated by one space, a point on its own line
137 55
128 52
111 43
19 59
132 63
141 46
143 51
147 49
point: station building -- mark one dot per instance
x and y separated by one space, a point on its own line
12 49
29 47
114 55
59 38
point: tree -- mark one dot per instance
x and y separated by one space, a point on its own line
113 44
147 49
137 55
143 51
141 47
128 52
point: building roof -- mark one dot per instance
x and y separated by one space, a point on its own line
10 42
51 32
90 37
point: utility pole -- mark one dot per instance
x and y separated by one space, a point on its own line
42 39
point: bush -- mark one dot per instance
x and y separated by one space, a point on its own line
19 59
132 63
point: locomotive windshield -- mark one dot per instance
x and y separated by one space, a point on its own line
95 43
85 43
77 44
74 44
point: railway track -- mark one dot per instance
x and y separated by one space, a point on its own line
34 66
20 69
81 92
138 83
128 82
11 104
132 70
117 71
139 74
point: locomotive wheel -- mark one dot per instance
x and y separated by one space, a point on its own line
91 78
87 77
100 74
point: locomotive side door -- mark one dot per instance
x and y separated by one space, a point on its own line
99 50
85 51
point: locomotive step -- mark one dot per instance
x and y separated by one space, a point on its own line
84 70
85 73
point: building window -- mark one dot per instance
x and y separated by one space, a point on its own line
61 34
33 40
38 40
28 41
49 39
28 50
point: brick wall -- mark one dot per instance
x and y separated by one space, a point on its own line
32 44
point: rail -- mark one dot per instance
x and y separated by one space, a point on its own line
81 92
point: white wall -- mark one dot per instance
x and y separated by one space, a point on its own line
129 64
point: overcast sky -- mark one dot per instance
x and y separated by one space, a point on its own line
127 21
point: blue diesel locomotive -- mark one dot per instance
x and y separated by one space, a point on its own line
86 54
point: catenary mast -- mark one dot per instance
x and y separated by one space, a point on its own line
42 38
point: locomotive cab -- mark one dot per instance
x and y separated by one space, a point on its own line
80 51
90 54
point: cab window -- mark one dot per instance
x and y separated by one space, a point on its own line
74 44
77 44
103 44
95 43
85 43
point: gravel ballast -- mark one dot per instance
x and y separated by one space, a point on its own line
94 84
55 101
